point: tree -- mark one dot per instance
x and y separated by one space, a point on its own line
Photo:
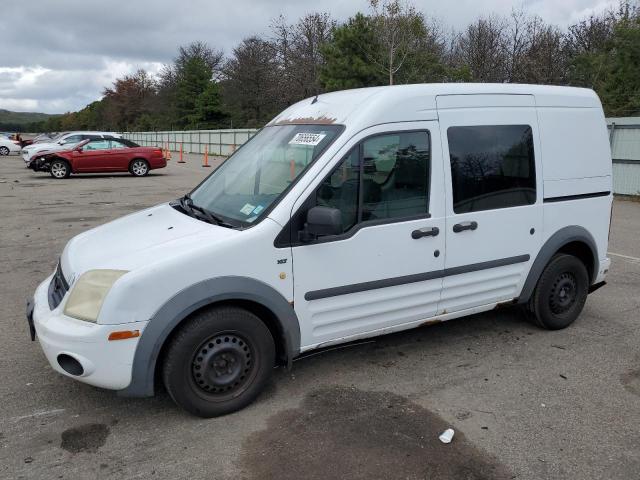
400 32
347 63
193 78
209 111
298 48
128 99
481 48
250 88
619 88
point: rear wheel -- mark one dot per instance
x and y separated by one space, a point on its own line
139 167
560 294
4 150
60 169
219 361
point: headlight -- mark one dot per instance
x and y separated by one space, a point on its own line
89 292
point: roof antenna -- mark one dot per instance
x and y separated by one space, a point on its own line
315 99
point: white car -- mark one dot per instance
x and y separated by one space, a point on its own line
8 146
63 141
350 215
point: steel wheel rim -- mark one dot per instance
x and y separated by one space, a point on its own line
222 365
563 293
58 170
4 151
139 168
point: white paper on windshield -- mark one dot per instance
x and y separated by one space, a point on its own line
247 209
303 138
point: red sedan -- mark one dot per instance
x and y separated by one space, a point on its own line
100 155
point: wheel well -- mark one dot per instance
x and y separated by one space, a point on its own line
581 251
262 312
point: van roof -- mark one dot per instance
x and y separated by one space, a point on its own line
418 102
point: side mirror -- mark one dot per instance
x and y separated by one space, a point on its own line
321 221
78 148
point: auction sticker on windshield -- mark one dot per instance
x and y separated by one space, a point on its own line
303 138
247 209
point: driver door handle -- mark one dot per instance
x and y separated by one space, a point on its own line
461 227
425 232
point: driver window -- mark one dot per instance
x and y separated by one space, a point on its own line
340 189
387 175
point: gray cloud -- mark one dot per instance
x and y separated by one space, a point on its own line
59 56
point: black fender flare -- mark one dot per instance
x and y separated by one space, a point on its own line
192 298
562 237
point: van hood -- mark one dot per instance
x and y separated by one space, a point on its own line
138 240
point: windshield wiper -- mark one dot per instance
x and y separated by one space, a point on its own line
186 202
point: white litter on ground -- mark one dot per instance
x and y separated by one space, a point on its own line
447 435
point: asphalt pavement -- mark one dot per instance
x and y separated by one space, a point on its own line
525 403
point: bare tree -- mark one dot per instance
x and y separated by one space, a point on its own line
482 49
251 84
399 28
298 49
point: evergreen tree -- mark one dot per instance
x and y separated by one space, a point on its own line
346 60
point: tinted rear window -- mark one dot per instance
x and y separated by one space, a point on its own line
492 166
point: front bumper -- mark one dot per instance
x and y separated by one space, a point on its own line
105 363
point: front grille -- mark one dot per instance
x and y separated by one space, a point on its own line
57 288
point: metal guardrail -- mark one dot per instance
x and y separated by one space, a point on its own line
217 142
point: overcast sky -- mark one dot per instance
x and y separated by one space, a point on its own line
58 56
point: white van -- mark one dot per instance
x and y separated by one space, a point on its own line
350 215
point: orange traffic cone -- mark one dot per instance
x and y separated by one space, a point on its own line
181 160
168 152
205 160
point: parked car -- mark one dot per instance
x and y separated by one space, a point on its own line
350 215
8 146
99 155
63 141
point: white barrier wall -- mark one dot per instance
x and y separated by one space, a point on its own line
218 142
624 134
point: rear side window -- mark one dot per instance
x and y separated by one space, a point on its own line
492 166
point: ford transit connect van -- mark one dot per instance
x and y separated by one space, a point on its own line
350 215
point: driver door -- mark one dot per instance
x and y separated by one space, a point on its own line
383 272
93 157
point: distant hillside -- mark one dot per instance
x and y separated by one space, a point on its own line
19 120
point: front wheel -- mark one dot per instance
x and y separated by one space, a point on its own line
139 168
560 294
60 169
219 361
4 150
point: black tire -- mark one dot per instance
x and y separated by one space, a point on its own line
219 361
560 294
59 169
4 150
139 167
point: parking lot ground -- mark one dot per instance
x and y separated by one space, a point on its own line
525 403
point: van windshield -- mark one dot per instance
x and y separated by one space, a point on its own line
253 178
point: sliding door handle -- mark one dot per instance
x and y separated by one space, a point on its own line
461 227
425 232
